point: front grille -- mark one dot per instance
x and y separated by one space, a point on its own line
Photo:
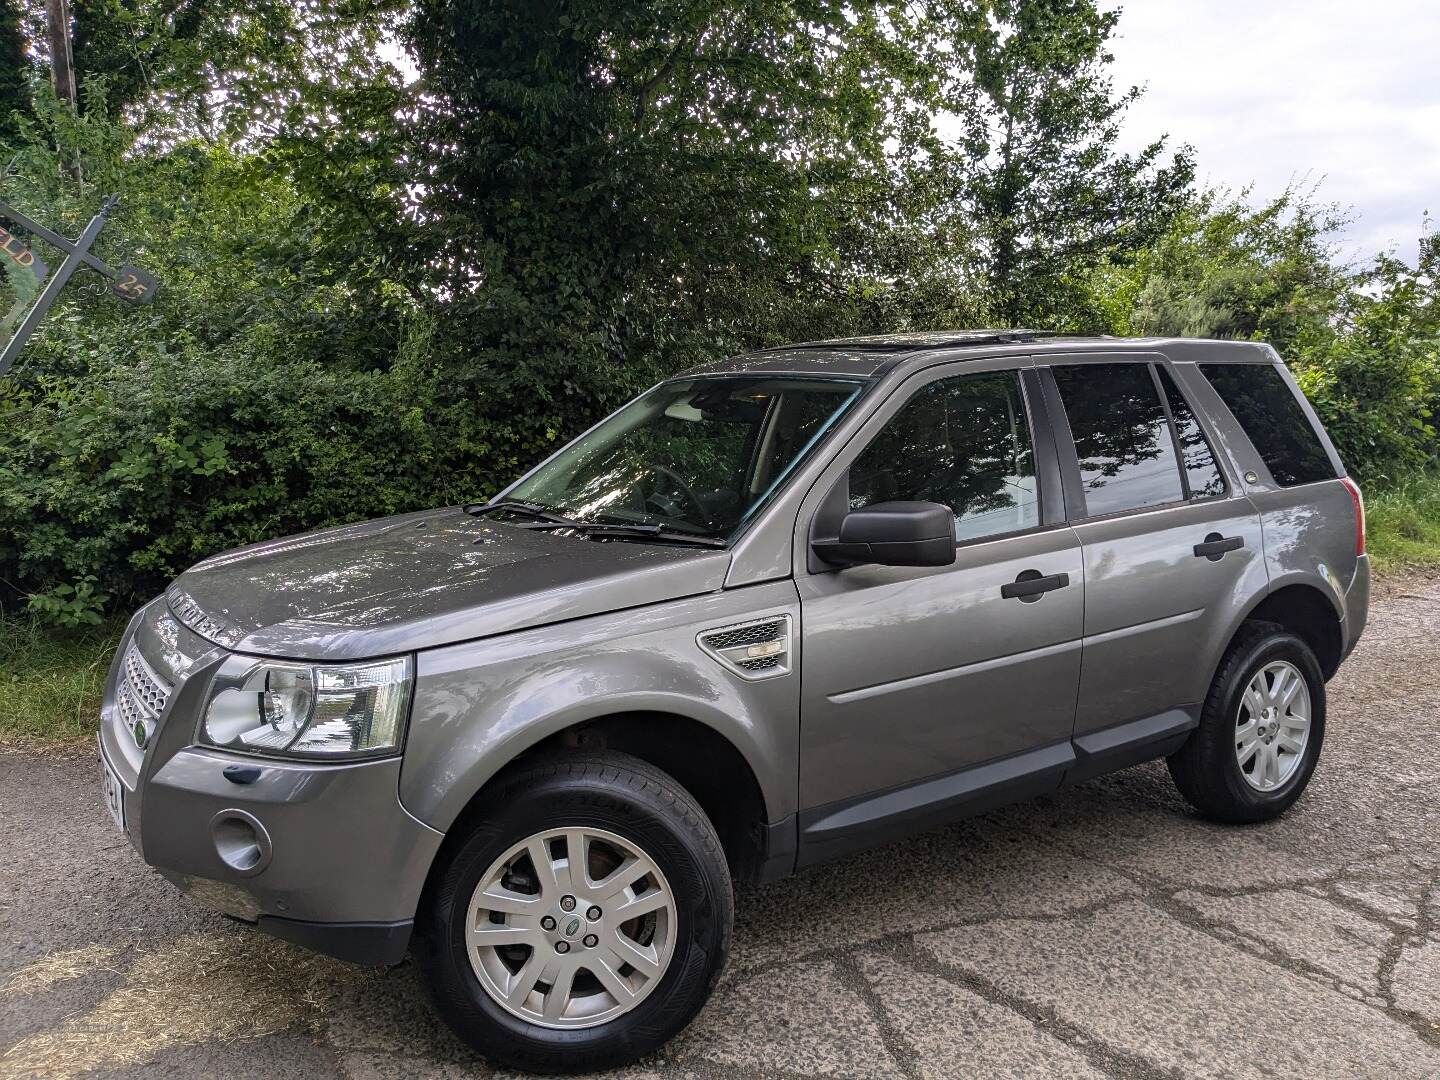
757 650
141 696
149 691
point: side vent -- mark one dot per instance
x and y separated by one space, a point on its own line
753 650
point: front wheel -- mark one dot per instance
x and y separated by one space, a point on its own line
1260 730
581 921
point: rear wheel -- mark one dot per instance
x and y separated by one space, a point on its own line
1260 730
582 919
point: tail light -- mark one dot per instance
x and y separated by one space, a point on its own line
1359 501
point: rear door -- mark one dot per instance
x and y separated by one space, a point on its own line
1170 546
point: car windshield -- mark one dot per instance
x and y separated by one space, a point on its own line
695 455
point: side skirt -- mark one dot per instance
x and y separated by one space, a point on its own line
851 825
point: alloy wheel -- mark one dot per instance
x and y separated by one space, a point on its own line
1272 725
571 927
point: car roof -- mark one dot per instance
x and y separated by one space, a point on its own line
875 355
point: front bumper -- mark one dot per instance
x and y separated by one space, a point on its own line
321 854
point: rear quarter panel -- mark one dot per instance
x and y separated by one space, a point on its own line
478 705
1310 537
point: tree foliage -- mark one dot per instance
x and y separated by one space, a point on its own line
381 295
15 71
1364 340
1042 189
611 189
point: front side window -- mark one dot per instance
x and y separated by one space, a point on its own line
1266 408
693 455
1122 437
964 442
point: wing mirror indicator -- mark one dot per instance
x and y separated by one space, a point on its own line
892 534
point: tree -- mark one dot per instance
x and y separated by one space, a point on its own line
264 391
1363 340
1043 189
613 188
14 72
237 68
1228 269
1376 383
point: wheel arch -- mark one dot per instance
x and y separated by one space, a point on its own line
1305 609
703 760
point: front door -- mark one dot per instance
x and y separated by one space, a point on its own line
925 687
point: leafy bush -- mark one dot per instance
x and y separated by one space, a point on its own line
1377 383
264 391
70 606
142 470
1364 342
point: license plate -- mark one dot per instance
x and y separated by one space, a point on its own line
114 794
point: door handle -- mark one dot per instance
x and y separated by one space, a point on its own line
1030 584
1215 546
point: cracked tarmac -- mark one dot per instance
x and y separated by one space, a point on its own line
1102 931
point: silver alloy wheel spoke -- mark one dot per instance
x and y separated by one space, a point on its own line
537 950
558 996
499 898
523 981
490 935
623 877
1272 725
606 969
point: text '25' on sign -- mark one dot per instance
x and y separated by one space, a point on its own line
134 284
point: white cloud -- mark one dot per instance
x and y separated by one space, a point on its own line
1273 90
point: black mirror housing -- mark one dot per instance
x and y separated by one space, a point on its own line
893 534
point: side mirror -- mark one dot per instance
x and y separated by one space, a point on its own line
893 534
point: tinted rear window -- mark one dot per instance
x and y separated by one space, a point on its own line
1265 406
1122 437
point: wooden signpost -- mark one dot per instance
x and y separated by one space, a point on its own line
128 282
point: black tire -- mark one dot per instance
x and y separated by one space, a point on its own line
622 795
1205 769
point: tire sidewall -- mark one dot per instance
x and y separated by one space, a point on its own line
701 890
1278 645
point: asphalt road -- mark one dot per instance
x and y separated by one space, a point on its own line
1102 932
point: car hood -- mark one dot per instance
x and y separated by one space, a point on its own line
419 580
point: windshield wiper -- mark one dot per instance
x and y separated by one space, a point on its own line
519 506
623 529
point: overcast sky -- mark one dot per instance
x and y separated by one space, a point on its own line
1270 90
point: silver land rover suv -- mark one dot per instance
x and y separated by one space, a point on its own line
773 611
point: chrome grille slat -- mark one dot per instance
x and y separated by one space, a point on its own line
748 635
764 663
144 683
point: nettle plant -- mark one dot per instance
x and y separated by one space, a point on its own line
70 606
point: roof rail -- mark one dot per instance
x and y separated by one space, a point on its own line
931 339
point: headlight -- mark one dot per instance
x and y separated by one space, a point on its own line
308 710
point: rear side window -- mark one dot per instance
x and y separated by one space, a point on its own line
1122 437
1265 406
1202 475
